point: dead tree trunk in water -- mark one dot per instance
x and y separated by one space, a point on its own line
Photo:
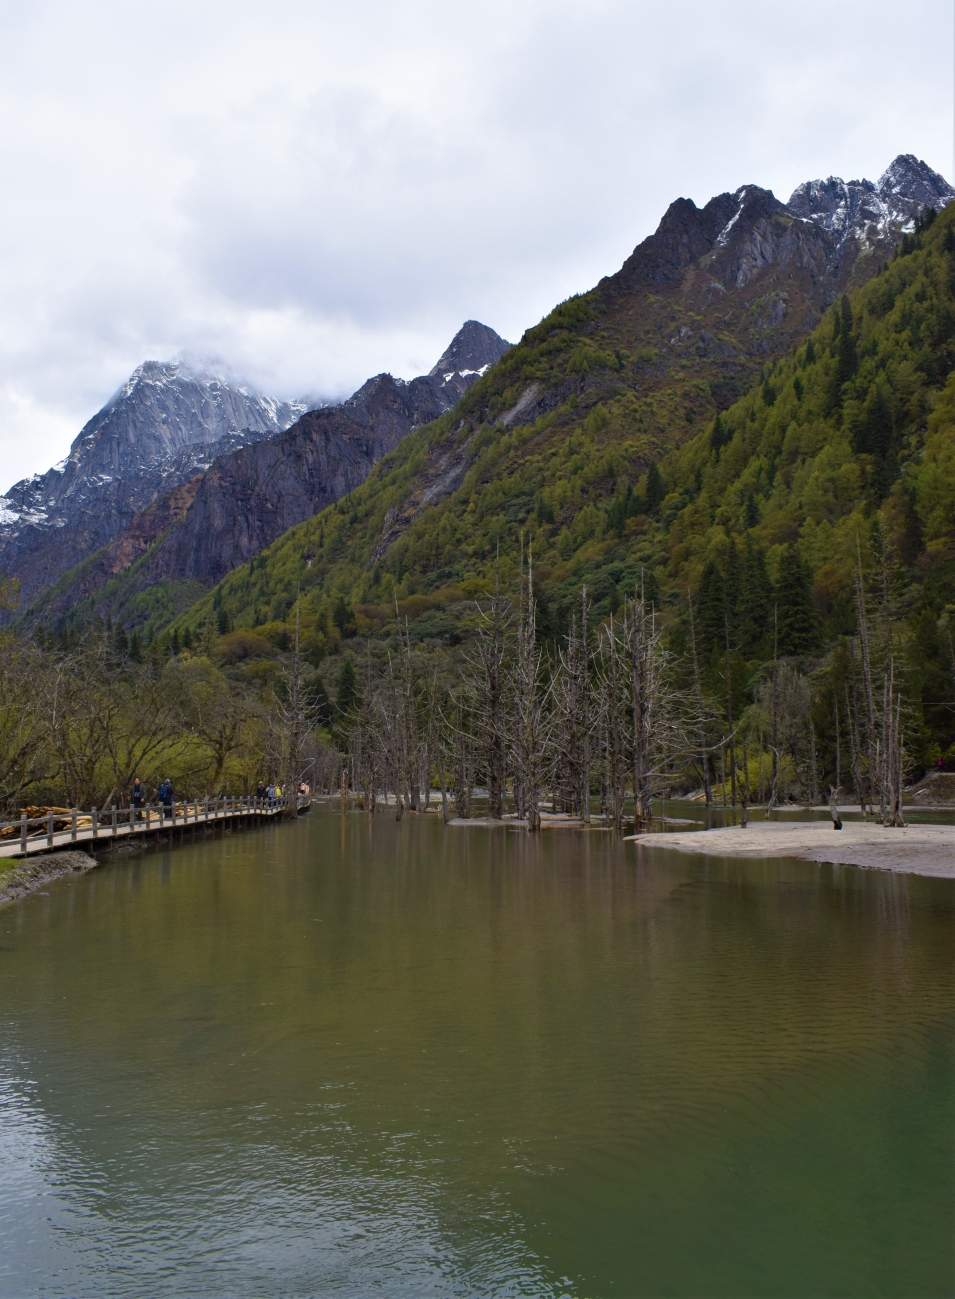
704 752
875 782
529 739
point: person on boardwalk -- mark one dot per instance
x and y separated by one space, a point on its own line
138 798
167 795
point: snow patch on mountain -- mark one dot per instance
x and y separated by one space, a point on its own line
867 211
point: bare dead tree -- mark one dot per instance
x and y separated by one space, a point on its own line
528 738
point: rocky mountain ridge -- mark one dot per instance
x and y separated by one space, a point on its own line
681 330
572 417
165 424
198 530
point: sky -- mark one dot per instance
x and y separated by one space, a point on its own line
307 193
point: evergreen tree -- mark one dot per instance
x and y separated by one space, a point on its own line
732 584
656 489
711 617
119 640
174 643
342 615
755 608
718 435
875 432
347 697
223 623
649 587
316 698
751 516
798 622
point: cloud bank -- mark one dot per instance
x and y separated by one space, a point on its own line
312 192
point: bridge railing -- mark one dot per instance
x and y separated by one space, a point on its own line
112 821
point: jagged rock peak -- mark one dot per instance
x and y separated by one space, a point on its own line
473 348
904 190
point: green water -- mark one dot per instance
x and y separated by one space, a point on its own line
367 1058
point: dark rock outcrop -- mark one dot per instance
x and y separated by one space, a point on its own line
167 423
201 530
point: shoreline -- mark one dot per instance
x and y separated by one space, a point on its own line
30 873
912 849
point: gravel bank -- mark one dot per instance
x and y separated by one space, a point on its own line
31 873
916 849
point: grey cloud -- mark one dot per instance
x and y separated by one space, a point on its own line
314 192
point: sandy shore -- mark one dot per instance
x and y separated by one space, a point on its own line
31 873
916 849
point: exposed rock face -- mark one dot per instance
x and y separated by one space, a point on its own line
201 529
861 210
473 349
165 424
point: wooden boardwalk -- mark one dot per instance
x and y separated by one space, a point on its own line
74 828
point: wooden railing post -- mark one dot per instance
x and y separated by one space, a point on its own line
49 832
115 820
95 827
23 832
73 826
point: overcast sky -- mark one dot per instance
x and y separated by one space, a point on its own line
312 192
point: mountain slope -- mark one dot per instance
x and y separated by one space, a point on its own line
551 439
252 495
164 425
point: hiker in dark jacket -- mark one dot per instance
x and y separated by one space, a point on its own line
167 795
138 798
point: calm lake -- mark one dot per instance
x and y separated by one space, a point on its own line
349 1056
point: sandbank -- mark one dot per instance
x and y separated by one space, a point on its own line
915 849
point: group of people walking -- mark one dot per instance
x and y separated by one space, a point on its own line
166 793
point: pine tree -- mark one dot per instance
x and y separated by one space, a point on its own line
656 489
120 642
732 584
341 614
346 694
875 432
798 622
751 516
718 435
756 599
712 610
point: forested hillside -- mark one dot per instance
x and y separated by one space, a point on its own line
776 587
844 448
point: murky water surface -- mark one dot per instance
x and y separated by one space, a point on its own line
345 1057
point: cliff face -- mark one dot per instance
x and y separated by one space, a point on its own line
167 423
248 497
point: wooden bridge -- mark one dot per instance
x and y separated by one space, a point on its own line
69 827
